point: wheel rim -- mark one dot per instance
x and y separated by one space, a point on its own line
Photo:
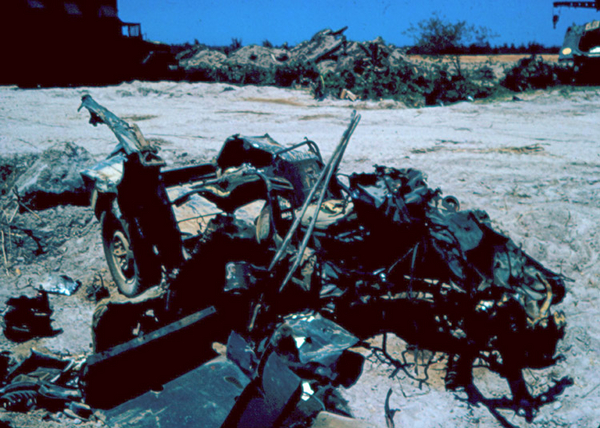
122 256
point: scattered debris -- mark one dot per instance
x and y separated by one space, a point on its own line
322 46
59 284
287 285
284 380
115 374
331 65
43 381
97 291
28 317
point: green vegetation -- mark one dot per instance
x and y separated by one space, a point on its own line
436 36
534 73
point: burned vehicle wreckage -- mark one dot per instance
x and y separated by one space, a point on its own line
271 250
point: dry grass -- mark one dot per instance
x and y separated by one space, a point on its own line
520 150
139 117
533 149
317 116
280 101
160 142
260 113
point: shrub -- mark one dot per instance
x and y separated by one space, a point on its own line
437 35
534 73
234 46
296 74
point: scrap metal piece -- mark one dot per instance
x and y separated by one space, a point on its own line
269 398
299 168
240 352
52 365
40 381
327 171
59 284
28 317
323 349
323 181
320 340
203 397
130 139
129 369
389 413
104 176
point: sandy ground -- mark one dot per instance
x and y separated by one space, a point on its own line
534 165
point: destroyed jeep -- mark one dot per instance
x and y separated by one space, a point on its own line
377 252
132 182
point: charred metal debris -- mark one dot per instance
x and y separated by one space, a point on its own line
28 317
44 381
270 250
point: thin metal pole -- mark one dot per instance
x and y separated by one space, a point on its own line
298 219
331 167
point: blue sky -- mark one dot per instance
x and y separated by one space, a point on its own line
215 22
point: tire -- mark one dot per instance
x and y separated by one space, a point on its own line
451 204
130 278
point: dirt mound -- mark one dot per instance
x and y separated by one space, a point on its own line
203 65
50 182
332 66
33 234
11 168
257 56
320 47
54 178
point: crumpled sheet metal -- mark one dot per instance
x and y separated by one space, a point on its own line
106 174
318 339
42 381
129 140
202 397
464 241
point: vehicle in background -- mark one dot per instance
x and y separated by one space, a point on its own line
581 45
